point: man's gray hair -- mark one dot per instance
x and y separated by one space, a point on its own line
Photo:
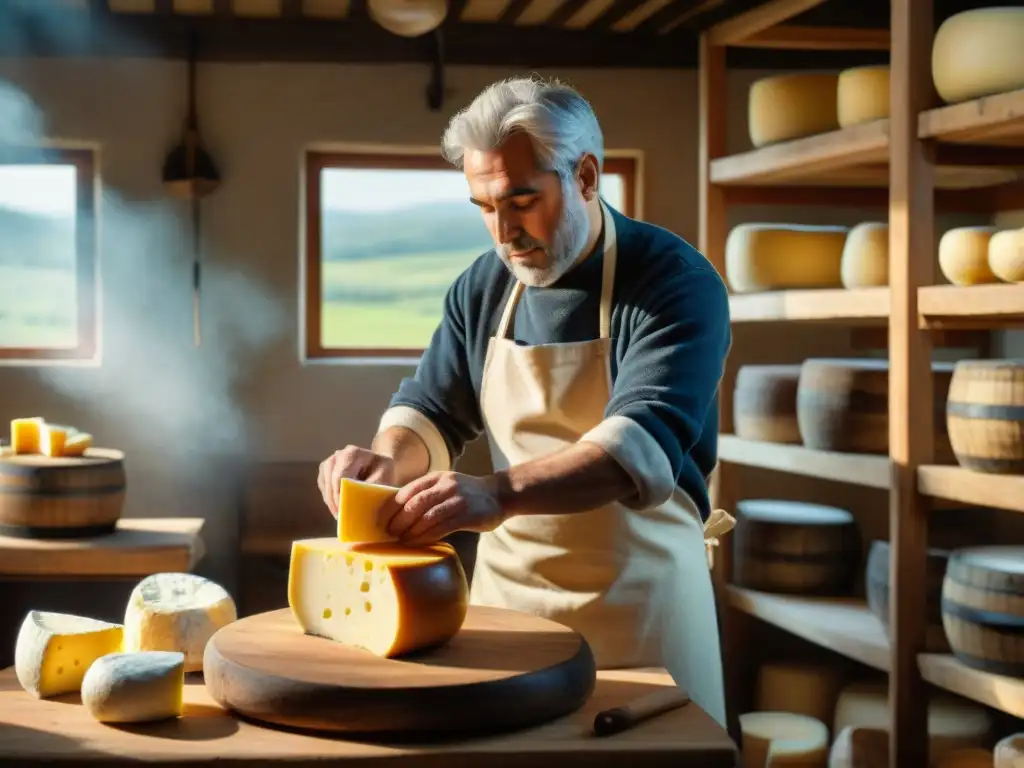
560 122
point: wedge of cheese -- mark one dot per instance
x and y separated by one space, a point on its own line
176 612
52 439
384 598
54 650
77 444
361 512
25 434
135 687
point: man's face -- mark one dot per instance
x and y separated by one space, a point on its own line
539 225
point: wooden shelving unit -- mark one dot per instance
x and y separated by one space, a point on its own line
913 161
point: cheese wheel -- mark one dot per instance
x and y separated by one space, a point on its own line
1009 752
54 650
790 106
978 53
857 747
985 415
764 403
953 723
963 255
862 95
766 257
865 259
385 598
966 758
1006 255
803 688
782 738
176 612
362 512
135 687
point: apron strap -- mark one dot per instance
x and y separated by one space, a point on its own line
718 524
510 305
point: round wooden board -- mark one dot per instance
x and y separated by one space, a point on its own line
504 670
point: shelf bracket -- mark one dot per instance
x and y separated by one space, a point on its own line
435 87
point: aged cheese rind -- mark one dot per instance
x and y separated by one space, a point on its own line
865 260
1006 255
781 738
54 650
360 508
862 95
978 53
791 106
766 257
176 612
963 255
799 687
135 687
384 598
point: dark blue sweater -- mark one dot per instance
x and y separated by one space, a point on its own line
670 333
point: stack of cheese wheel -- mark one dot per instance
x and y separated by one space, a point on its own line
865 259
877 584
801 687
783 738
791 106
1009 752
963 255
764 403
862 95
954 723
983 608
843 405
771 257
1006 255
985 415
795 547
978 53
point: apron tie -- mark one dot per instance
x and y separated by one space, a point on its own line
718 524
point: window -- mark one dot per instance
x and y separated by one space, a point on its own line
47 254
386 235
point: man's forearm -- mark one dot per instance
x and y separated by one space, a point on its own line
407 449
579 478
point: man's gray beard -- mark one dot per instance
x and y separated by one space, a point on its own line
569 240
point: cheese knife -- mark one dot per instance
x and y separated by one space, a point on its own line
617 719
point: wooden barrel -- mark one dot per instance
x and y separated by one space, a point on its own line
983 608
985 415
843 405
764 403
795 547
42 497
877 586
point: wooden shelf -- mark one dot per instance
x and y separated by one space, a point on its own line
854 468
843 625
994 120
978 488
1003 693
949 306
863 306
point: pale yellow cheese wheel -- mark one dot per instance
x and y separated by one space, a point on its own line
1006 255
1009 752
978 53
791 106
799 687
963 255
966 758
863 95
865 261
766 257
780 739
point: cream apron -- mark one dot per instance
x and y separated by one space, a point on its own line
635 584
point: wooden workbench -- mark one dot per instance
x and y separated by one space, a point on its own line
33 732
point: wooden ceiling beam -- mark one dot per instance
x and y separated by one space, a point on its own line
513 11
614 12
798 38
676 15
756 20
565 11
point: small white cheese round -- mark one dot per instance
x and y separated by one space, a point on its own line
135 687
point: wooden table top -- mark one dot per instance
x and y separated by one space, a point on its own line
36 731
139 547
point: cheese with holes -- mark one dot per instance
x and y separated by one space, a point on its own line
385 598
1006 255
978 53
779 739
52 440
966 758
953 722
25 434
963 255
1009 752
862 95
77 444
865 261
790 106
135 687
54 650
799 687
361 509
766 257
176 612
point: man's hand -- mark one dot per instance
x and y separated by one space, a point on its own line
355 463
441 503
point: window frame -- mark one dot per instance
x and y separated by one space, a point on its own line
86 288
625 163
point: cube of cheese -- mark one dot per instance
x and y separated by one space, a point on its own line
52 440
135 687
25 434
77 444
54 650
385 598
360 512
